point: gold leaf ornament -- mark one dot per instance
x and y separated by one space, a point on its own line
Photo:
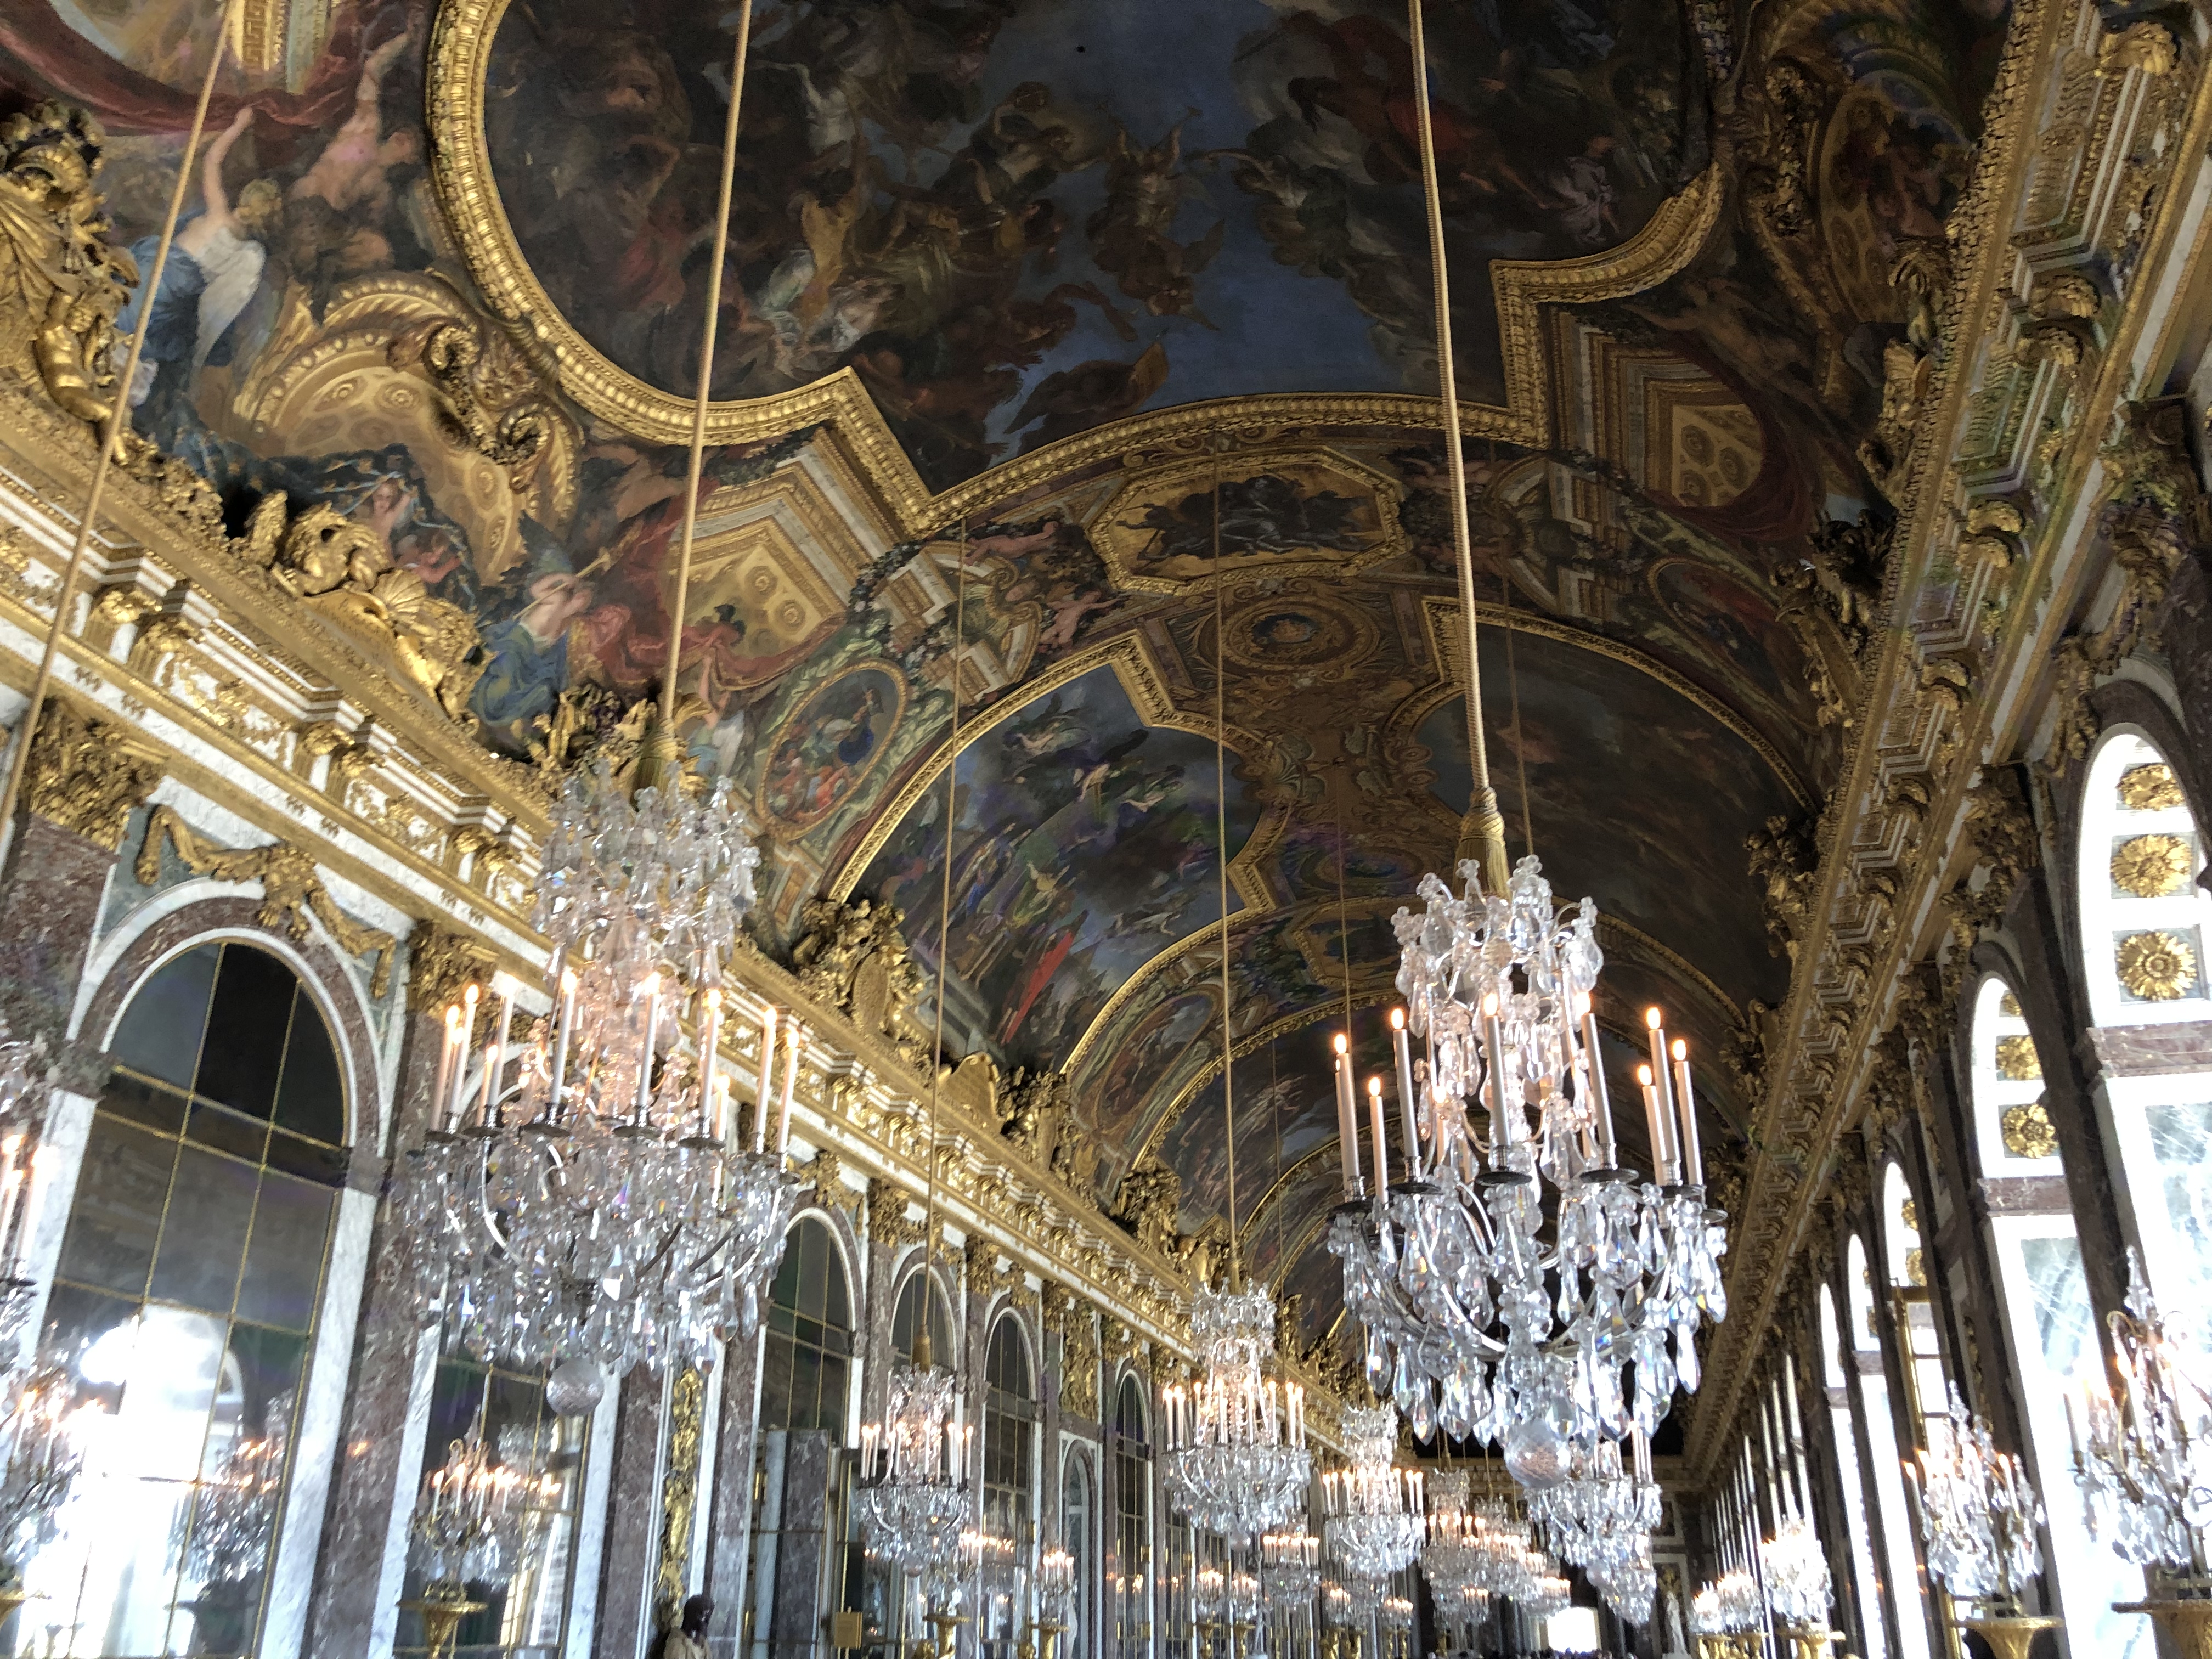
2029 1131
2156 966
2152 866
2017 1061
2151 788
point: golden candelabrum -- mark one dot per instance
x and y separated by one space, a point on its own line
2186 1621
1810 1641
442 1607
2011 1635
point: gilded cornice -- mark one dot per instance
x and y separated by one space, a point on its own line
461 174
1962 673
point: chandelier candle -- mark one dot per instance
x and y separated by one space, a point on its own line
1375 1127
1686 1100
767 1091
1666 1147
1347 1120
1401 1051
1590 1070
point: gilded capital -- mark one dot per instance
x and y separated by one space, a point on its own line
86 776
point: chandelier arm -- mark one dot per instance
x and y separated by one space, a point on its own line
1482 831
118 414
695 461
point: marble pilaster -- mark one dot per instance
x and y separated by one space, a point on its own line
632 1552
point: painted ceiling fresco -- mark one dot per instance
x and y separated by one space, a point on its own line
1010 237
1014 222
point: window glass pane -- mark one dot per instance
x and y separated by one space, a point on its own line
116 1217
159 1033
244 1048
311 1099
227 1131
203 1238
148 1104
284 1260
2064 1320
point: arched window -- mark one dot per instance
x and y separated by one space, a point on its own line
1896 1525
184 1303
1835 1381
1130 1567
1010 1431
806 1365
906 1318
1926 1381
1078 1536
2044 1297
808 1355
2145 922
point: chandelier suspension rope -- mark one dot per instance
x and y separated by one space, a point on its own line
695 462
923 1356
1482 832
1221 871
118 414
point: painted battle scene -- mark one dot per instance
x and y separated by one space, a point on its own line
1010 237
1085 843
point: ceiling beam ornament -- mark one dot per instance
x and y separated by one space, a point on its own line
2075 170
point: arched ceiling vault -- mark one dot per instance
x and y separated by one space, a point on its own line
1017 290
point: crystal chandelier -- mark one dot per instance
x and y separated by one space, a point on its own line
1289 1569
1374 1516
1600 1518
234 1515
594 1199
1521 1287
1237 1462
1796 1570
1730 1606
2144 1459
39 1432
910 1496
477 1518
1394 1624
1978 1512
1349 1604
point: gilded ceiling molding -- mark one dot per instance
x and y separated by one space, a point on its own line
1441 614
2074 170
461 172
1139 671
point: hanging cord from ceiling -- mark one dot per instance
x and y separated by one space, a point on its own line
118 414
1221 863
1482 831
660 762
922 1356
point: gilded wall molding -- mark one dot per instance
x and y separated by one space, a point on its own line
292 888
1959 681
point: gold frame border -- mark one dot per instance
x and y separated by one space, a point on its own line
461 175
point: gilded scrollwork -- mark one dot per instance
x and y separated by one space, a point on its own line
853 956
292 888
343 571
679 1493
888 1224
62 282
442 963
